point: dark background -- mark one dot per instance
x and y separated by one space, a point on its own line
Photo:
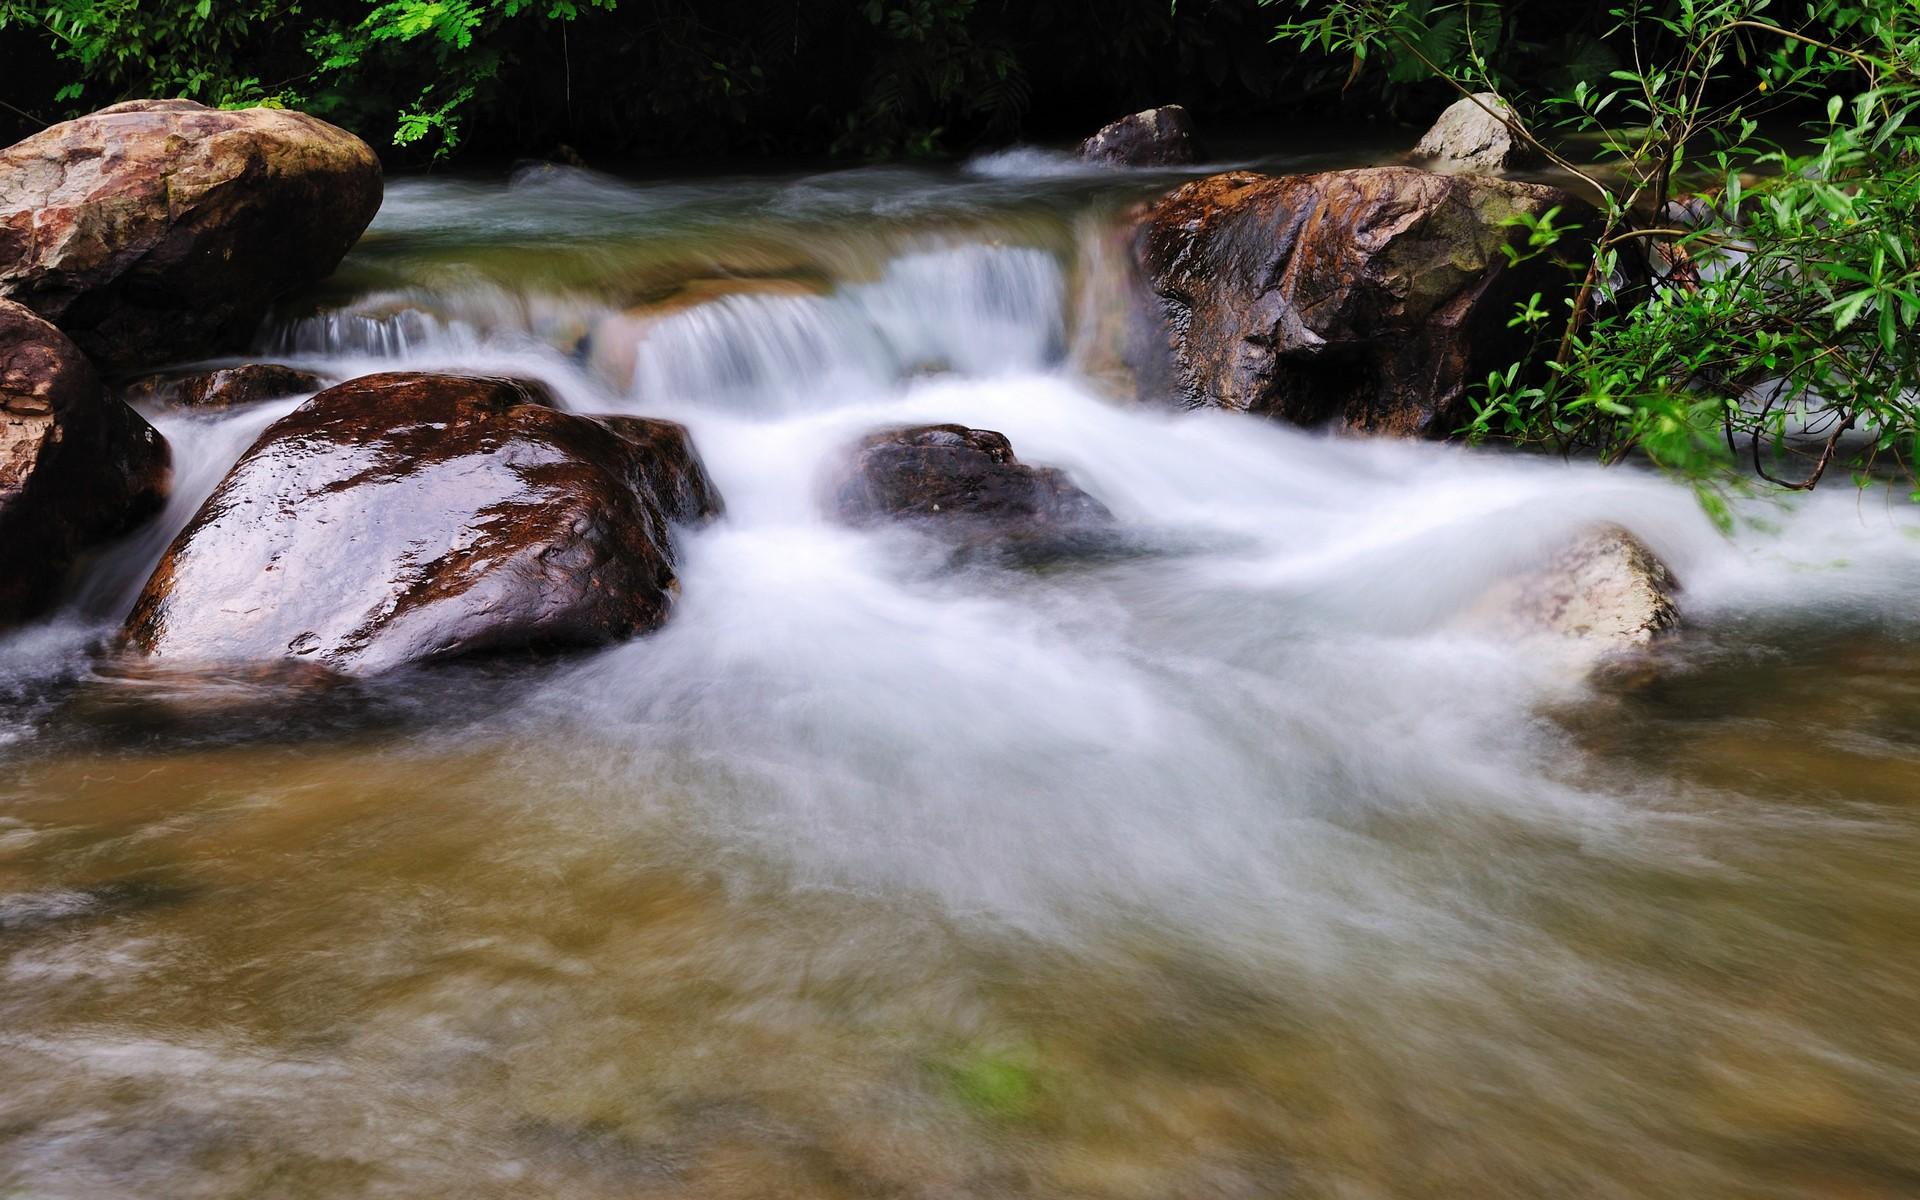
705 79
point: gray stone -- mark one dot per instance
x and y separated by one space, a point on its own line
1470 139
1157 137
1602 602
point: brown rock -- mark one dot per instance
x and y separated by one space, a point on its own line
956 477
407 518
671 468
161 229
1158 137
76 468
1369 299
248 383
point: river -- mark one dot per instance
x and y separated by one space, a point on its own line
1234 865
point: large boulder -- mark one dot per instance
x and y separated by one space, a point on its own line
1369 299
76 468
161 229
957 479
408 518
1158 137
224 387
1473 136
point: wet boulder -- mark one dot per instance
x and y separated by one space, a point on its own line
1473 136
410 518
952 479
76 467
1366 299
1157 137
158 230
670 468
226 387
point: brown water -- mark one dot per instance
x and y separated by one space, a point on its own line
1229 868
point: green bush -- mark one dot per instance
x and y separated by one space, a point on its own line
1746 303
632 78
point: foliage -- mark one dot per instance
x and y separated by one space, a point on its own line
212 52
465 41
648 77
934 65
126 46
1736 295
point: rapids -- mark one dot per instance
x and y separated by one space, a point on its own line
1233 865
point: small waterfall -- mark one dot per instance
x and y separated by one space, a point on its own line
337 334
435 323
750 353
978 309
975 310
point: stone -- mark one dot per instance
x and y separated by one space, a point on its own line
158 230
1603 598
225 387
410 518
76 467
1367 299
1604 587
1157 137
1472 137
671 468
958 478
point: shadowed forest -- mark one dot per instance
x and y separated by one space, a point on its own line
708 79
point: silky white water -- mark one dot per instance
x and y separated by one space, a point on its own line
1235 863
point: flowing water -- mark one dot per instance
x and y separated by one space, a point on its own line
1237 865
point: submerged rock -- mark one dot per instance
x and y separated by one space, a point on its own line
161 229
408 518
1367 299
960 482
23 912
226 387
1157 137
76 467
1472 137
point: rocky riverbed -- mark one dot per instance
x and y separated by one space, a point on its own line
921 682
